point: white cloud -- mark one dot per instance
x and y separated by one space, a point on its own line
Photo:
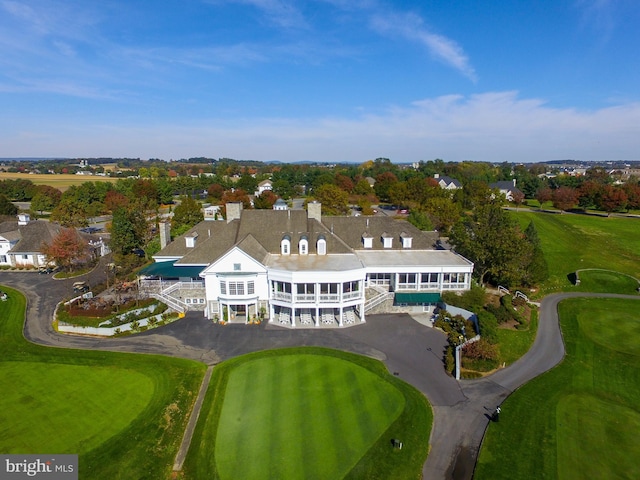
494 126
411 27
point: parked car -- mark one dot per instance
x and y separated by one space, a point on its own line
80 287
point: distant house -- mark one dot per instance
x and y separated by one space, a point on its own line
280 204
212 212
263 186
447 183
507 188
21 242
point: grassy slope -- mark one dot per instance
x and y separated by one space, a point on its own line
380 460
580 419
145 426
574 242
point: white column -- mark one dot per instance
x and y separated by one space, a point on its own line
293 316
272 312
340 317
362 320
317 317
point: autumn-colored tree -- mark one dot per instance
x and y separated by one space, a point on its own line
215 191
237 195
265 200
334 200
565 198
544 195
66 249
612 199
115 200
589 193
344 182
633 195
517 198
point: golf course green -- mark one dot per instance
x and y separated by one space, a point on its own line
580 419
309 413
123 414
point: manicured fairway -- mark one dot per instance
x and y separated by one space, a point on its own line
309 414
573 242
581 419
123 414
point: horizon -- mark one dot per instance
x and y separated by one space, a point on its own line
322 80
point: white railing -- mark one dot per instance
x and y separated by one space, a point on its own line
285 297
351 295
329 298
174 303
377 300
305 298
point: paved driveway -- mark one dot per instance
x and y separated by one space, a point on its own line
410 350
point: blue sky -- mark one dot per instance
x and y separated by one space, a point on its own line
324 80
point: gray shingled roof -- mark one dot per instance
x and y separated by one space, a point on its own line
32 235
259 233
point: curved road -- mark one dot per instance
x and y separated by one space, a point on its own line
410 350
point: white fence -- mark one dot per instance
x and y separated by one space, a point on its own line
105 331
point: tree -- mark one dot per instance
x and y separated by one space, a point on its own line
334 200
265 200
66 249
537 269
128 230
444 213
70 212
544 195
215 191
492 240
385 182
45 199
564 198
186 215
518 198
612 199
6 207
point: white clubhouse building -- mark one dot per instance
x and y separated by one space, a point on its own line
298 268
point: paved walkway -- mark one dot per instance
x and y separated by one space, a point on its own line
409 349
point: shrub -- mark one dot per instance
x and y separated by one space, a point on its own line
488 326
449 360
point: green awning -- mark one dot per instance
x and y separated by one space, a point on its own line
417 298
170 270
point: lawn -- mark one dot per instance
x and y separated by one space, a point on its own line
574 242
308 413
61 182
123 414
579 420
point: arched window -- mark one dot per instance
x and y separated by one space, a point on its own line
303 245
285 245
322 245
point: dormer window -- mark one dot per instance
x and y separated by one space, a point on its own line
322 245
367 240
406 240
303 245
387 240
191 240
285 245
